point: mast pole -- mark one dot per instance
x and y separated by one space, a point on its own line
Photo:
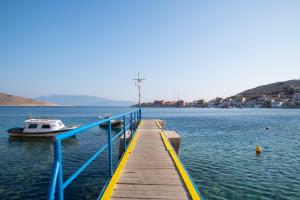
138 83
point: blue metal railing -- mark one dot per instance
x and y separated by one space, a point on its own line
57 184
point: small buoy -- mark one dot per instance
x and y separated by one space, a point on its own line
258 149
267 128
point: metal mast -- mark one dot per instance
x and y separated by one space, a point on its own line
138 83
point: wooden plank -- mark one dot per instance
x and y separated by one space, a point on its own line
158 188
156 194
150 181
122 198
151 171
149 176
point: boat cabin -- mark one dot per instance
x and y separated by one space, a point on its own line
42 125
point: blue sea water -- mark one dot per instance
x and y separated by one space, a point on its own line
218 150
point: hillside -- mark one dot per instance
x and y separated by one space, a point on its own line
11 100
282 88
83 100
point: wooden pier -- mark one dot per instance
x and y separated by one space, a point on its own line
150 169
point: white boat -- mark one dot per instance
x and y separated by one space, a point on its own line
114 122
40 127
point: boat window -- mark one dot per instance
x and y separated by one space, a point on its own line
60 123
32 126
45 126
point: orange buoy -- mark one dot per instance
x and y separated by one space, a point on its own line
258 149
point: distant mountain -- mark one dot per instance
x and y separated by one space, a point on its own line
280 88
82 100
11 100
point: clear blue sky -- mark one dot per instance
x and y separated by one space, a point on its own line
202 49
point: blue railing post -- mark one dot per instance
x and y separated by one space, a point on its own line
135 119
58 158
140 114
53 181
134 122
110 167
131 125
124 130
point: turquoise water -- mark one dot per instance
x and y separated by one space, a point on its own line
218 150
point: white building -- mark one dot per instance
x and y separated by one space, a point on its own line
276 104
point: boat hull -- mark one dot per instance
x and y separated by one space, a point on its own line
18 132
117 124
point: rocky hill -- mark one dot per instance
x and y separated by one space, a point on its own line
11 100
280 88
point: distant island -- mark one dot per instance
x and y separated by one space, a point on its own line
82 100
276 95
60 100
11 100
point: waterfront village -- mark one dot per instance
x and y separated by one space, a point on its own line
238 101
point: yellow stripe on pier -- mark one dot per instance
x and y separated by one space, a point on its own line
150 169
